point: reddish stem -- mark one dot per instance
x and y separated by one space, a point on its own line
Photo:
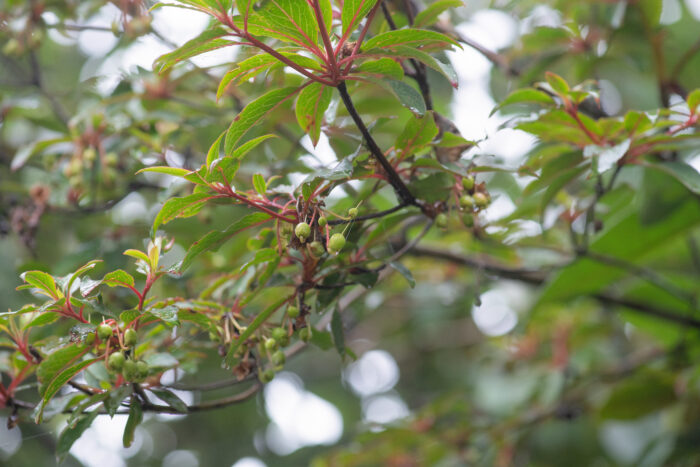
332 64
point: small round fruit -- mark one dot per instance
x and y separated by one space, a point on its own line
466 202
336 242
352 212
322 222
317 249
142 369
281 336
116 361
104 331
278 358
441 220
302 231
468 220
130 371
481 200
468 183
266 376
270 344
305 334
292 311
130 337
90 339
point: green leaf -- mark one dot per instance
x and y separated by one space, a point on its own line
310 106
406 94
118 278
210 39
161 361
57 383
431 13
382 67
248 146
327 12
353 12
557 83
521 96
261 256
81 270
252 327
321 339
114 401
140 255
167 314
174 171
403 270
417 38
254 113
337 331
260 63
693 101
417 134
186 206
213 152
43 319
134 420
639 396
289 21
684 173
127 316
627 239
42 281
259 184
214 239
55 362
71 434
24 153
171 399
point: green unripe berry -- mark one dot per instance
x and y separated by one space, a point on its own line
90 339
116 361
278 358
266 376
468 220
336 243
130 337
305 334
352 212
481 200
466 201
441 220
111 159
142 369
104 331
281 336
322 222
292 311
468 183
317 249
270 344
130 372
302 231
89 154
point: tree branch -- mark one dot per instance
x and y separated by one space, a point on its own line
375 215
534 277
402 191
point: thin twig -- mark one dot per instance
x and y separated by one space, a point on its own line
402 191
375 215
